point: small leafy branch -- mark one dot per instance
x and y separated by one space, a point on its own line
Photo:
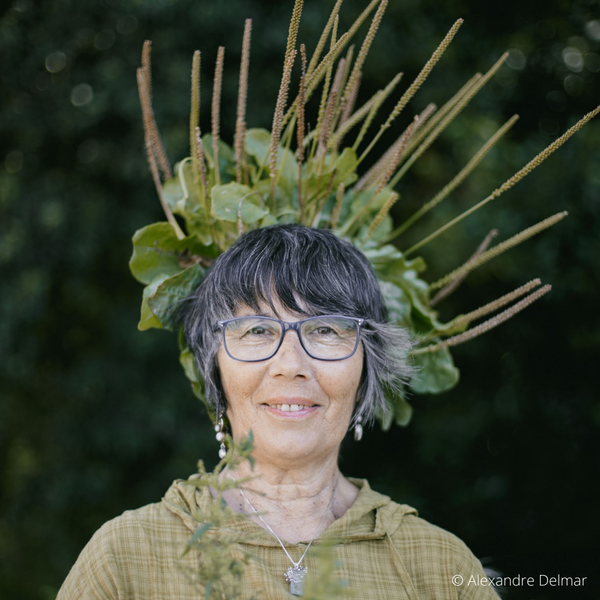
219 191
221 560
219 568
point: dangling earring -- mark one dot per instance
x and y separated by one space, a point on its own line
358 428
220 436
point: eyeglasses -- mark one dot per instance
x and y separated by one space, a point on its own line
326 337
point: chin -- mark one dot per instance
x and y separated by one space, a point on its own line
291 446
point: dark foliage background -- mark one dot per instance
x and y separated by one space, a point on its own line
97 418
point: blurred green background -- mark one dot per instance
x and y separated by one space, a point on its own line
97 418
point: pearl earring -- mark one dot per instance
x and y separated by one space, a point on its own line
221 437
358 428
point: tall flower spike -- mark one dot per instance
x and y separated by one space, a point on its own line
351 102
216 111
456 109
327 123
240 124
374 109
195 111
466 319
324 93
441 113
371 177
149 119
300 129
293 30
314 77
512 181
456 181
144 100
350 224
355 118
486 326
381 215
278 119
337 209
323 39
202 167
500 248
364 49
416 84
453 285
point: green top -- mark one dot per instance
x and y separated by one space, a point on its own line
383 550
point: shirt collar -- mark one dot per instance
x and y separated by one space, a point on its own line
370 517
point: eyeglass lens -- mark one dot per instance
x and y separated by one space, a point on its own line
257 338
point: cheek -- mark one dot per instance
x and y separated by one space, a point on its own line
341 386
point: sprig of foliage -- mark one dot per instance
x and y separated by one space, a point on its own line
219 193
221 560
220 564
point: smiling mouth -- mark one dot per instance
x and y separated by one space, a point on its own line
290 407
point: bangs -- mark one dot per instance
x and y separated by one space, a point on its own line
308 271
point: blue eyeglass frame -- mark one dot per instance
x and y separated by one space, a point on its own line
285 326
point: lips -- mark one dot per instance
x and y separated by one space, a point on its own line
291 407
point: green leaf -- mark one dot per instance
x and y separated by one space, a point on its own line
258 142
158 253
148 319
398 304
345 164
268 220
200 531
226 159
164 298
386 419
188 362
258 145
227 200
390 265
403 411
435 374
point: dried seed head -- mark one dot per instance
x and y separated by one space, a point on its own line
453 285
240 124
216 111
485 327
500 248
383 211
366 45
149 121
456 109
466 319
278 118
195 107
337 209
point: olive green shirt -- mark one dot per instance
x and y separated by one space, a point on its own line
382 550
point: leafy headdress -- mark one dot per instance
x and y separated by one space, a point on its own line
291 175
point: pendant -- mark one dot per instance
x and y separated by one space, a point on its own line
295 576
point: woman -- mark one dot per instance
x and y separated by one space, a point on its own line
298 392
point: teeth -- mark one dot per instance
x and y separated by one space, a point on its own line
289 407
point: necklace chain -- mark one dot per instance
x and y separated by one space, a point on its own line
296 564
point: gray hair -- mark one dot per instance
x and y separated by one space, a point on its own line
327 275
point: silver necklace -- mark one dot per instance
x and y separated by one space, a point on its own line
296 574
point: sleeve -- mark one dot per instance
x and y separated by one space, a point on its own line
471 580
95 575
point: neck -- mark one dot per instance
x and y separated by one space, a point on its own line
295 501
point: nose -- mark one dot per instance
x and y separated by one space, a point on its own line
290 360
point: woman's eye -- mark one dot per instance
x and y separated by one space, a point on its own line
257 331
323 330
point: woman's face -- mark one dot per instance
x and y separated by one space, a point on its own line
325 390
